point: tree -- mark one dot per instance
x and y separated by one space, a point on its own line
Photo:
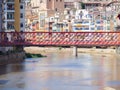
82 5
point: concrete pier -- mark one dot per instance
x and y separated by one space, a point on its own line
75 52
118 50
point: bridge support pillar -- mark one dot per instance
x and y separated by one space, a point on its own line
118 50
75 52
19 48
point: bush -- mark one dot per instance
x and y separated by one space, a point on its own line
29 55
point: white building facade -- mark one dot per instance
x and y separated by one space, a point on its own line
11 14
12 18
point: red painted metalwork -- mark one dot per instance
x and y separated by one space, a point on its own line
60 38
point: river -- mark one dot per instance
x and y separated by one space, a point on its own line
63 71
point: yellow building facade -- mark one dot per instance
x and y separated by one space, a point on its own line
17 15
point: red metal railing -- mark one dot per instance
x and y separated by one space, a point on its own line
60 38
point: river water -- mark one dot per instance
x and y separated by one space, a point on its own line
63 71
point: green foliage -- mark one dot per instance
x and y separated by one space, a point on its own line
82 5
29 55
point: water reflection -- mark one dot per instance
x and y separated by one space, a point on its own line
62 71
11 68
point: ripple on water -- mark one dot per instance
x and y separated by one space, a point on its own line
114 83
2 82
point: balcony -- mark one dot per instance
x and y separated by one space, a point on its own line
10 26
9 20
22 1
10 7
10 17
10 1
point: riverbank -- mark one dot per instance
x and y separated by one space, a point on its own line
12 58
45 50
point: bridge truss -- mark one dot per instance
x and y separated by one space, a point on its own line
59 39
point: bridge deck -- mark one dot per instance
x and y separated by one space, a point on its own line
60 38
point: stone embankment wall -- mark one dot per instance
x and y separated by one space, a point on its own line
12 58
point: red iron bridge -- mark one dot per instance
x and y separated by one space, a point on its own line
59 39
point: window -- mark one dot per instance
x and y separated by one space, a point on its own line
21 15
42 19
21 6
10 15
85 28
10 25
108 27
66 30
10 6
92 28
65 5
98 22
99 28
21 25
56 9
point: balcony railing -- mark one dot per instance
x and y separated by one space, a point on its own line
10 0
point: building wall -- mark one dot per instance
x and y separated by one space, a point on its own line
88 3
54 6
49 9
35 4
22 16
50 4
92 0
11 14
58 6
0 15
0 19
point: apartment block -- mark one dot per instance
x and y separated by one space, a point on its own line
0 20
0 15
22 16
14 15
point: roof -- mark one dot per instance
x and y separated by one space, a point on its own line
32 16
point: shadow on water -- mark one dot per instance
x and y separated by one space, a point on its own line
11 68
3 70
